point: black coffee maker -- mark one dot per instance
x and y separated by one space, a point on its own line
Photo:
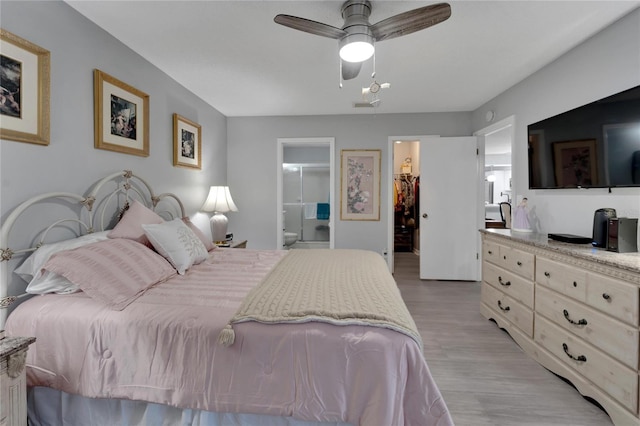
600 226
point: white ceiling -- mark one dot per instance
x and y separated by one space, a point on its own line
232 54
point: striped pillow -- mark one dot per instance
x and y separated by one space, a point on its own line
114 272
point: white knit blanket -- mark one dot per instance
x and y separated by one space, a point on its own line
337 286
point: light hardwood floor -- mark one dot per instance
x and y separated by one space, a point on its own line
484 376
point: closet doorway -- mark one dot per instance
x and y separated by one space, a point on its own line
406 195
447 206
305 193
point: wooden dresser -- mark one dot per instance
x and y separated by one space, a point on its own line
573 308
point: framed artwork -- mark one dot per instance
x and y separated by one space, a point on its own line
24 90
575 163
360 184
121 116
187 143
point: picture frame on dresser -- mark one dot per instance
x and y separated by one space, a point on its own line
360 184
187 143
24 90
121 116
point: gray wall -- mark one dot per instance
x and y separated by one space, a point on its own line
606 64
252 168
71 163
242 151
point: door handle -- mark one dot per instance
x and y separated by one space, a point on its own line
424 215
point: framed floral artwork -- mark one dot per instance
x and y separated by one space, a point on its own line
121 116
360 184
575 163
187 143
24 90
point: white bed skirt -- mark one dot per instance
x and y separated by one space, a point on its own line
47 407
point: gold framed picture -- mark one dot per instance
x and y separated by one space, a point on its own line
24 90
360 184
121 116
187 143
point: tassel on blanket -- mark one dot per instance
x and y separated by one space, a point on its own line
227 336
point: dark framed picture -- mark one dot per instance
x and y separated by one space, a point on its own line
187 143
575 163
24 90
121 115
360 184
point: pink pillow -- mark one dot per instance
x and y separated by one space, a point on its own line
130 226
207 242
114 272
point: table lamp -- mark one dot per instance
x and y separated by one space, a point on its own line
219 201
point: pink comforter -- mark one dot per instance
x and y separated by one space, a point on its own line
162 348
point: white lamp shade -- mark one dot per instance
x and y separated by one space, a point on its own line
219 200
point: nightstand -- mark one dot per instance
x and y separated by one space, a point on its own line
234 244
13 380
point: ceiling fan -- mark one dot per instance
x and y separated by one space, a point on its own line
357 36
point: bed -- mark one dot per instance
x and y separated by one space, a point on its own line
140 320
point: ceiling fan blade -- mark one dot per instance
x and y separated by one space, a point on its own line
350 70
411 21
309 26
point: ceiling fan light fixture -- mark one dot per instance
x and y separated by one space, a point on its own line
356 48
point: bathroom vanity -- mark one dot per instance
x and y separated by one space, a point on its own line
572 308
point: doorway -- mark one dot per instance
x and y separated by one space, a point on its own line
305 193
448 204
406 196
498 178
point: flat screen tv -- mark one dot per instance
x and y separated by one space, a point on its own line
593 146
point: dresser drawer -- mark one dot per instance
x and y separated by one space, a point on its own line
517 261
490 252
607 334
513 311
509 283
564 279
613 297
617 380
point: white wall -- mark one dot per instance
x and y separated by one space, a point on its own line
71 163
606 64
252 166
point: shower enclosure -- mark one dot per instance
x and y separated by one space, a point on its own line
306 188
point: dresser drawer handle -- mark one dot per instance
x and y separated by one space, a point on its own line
504 283
575 284
519 263
490 252
504 257
506 308
547 274
580 358
579 322
605 296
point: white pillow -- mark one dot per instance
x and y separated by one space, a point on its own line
50 282
176 243
31 268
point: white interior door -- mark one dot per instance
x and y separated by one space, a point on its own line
449 208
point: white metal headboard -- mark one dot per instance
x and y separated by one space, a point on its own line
74 215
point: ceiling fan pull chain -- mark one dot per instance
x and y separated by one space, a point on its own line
340 72
373 75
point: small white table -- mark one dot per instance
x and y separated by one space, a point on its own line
13 381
